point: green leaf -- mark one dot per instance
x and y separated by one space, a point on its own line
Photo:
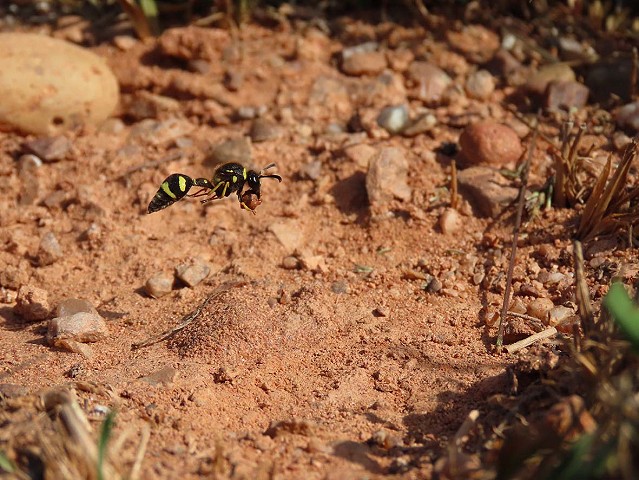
624 312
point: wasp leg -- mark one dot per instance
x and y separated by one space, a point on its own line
200 193
213 195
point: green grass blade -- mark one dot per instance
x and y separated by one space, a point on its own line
624 312
103 441
6 465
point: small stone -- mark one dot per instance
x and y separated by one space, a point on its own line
450 221
566 95
144 104
517 305
363 62
112 126
237 150
490 143
49 149
538 83
628 116
620 140
263 129
558 314
434 286
393 118
340 286
540 308
290 263
32 303
487 190
81 327
233 80
71 306
246 112
313 263
573 50
125 42
386 177
422 124
480 85
289 234
430 82
360 153
49 251
311 170
165 376
193 273
381 311
74 346
517 329
475 42
13 277
529 290
159 285
504 64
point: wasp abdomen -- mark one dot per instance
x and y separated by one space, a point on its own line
173 188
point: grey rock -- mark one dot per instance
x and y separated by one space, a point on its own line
49 149
386 177
290 263
538 83
232 150
480 85
193 273
80 327
289 234
558 314
423 123
71 306
341 286
263 129
364 63
430 82
159 285
49 250
566 95
311 170
165 376
393 118
627 116
486 190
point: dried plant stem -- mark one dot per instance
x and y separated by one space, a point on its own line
137 465
520 209
454 196
513 347
634 74
583 296
186 320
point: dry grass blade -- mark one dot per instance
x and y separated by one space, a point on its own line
583 296
603 202
454 196
138 18
567 186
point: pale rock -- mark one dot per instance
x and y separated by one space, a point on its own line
32 303
81 327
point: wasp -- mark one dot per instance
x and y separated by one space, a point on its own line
227 179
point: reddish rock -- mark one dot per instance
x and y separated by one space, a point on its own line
430 82
475 42
555 72
364 63
32 303
487 191
490 143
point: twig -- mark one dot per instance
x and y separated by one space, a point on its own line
454 196
137 465
186 320
513 347
634 73
581 292
520 210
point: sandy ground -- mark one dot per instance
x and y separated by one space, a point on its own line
338 364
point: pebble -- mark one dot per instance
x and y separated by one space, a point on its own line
39 95
125 42
49 149
540 308
487 190
450 221
27 171
311 170
558 314
236 150
566 95
430 82
74 346
490 143
32 303
571 50
364 63
164 376
423 123
517 305
475 42
517 329
49 250
434 285
288 233
504 64
313 263
233 80
112 126
620 140
538 83
480 85
386 177
71 306
360 153
381 311
290 263
192 273
393 118
340 286
627 116
246 112
80 327
159 285
263 129
145 104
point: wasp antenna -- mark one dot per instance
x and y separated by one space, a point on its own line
276 177
270 165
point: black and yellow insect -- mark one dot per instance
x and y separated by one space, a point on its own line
228 178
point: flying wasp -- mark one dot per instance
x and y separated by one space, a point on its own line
228 178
